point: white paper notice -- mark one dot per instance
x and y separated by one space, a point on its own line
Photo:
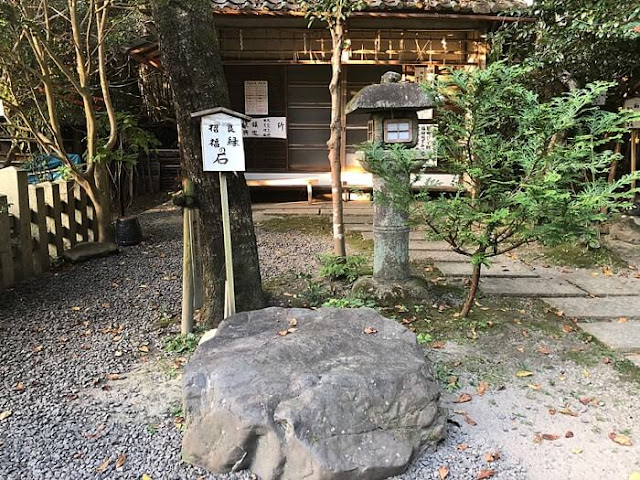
256 97
268 127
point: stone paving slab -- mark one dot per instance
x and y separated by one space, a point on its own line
602 286
507 270
437 256
598 307
622 337
530 287
635 358
421 245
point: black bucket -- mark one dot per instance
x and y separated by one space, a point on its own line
128 231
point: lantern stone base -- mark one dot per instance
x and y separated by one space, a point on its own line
387 291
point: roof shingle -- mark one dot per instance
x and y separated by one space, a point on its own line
444 6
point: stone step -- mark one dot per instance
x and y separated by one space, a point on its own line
602 286
530 287
424 245
621 337
610 308
437 256
499 269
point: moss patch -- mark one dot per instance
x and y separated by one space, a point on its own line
576 255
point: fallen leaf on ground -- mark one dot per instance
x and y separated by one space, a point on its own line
462 447
122 458
370 330
544 350
566 328
606 360
520 349
623 320
537 438
292 329
75 309
482 388
584 400
37 348
144 349
607 271
282 333
443 472
550 436
534 386
145 477
552 411
437 345
118 353
482 474
104 465
4 415
491 456
569 434
568 411
525 333
576 451
463 398
293 322
620 439
466 417
523 373
19 387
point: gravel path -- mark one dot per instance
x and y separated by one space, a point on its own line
84 375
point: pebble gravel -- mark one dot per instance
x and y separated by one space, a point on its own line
63 334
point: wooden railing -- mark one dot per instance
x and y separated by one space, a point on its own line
38 222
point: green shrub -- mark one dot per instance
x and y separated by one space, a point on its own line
336 267
349 302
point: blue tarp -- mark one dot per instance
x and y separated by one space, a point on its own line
46 168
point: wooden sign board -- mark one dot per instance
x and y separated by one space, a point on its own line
222 146
426 143
633 104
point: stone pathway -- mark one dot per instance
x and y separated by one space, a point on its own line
607 306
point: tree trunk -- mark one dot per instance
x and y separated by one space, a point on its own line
337 36
191 57
473 290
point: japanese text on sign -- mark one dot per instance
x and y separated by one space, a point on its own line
256 97
426 142
223 149
268 127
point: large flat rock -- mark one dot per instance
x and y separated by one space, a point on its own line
83 251
530 287
622 337
329 401
600 307
508 269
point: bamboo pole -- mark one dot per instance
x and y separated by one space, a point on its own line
230 301
634 156
186 325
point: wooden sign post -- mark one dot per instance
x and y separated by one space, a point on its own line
223 152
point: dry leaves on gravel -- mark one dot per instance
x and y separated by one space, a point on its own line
4 415
620 439
482 388
370 330
482 474
491 457
443 472
463 398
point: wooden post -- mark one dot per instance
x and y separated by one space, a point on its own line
230 297
6 251
634 156
43 233
197 263
84 215
14 184
57 218
187 264
71 212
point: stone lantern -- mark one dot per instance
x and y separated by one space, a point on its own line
393 106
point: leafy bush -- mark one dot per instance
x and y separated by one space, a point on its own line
349 302
530 170
336 267
182 344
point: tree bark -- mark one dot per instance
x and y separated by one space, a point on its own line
191 57
473 290
337 35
